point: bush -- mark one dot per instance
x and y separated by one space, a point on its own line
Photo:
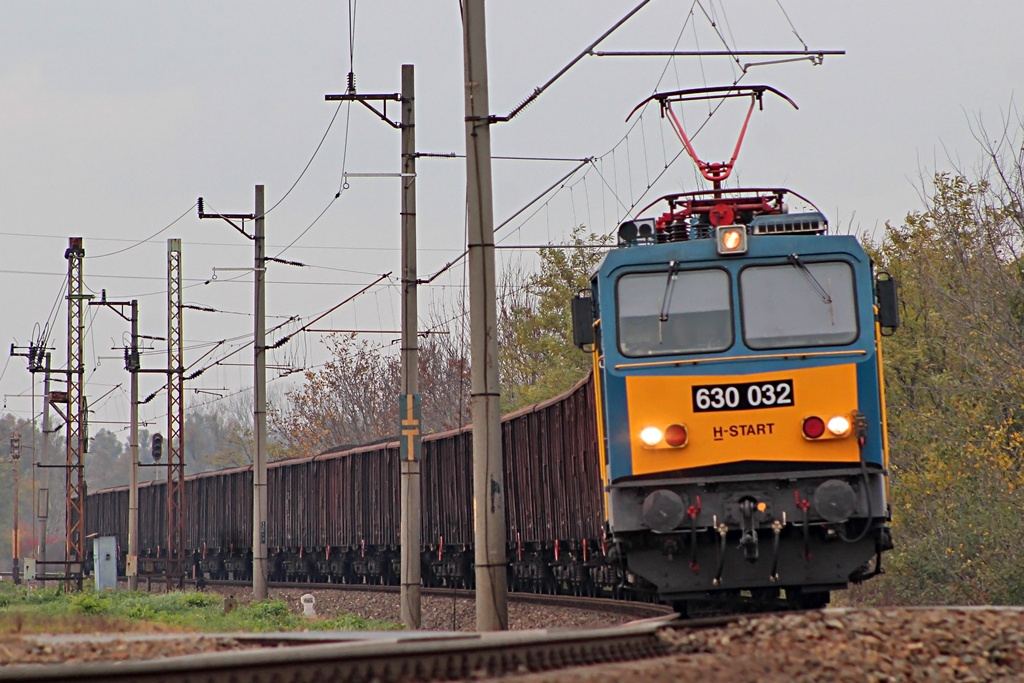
44 595
141 612
200 600
89 603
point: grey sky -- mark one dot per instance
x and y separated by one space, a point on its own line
116 115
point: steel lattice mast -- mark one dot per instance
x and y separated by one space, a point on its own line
74 516
175 421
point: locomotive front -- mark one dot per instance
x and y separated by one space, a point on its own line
737 351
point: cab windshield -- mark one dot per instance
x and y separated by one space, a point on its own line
798 304
674 311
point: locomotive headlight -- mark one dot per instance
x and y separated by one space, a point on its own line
839 425
650 436
731 239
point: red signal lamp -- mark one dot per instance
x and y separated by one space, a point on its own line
676 435
813 427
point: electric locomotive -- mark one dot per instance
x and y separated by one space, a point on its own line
738 368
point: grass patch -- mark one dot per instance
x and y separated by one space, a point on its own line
52 610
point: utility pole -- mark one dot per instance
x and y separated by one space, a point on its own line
16 536
409 399
259 463
488 467
42 510
35 353
410 417
132 363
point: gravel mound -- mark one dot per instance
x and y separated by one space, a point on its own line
41 650
857 646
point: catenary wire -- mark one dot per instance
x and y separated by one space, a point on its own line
141 242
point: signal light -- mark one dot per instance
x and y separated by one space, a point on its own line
156 447
814 427
676 436
731 239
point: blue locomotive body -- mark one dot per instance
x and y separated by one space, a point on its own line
740 400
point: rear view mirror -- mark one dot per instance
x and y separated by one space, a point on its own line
888 303
582 319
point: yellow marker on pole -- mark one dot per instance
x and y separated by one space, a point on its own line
409 408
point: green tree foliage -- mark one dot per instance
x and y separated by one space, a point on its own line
538 359
955 391
106 461
9 425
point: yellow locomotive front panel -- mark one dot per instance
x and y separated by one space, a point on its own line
736 418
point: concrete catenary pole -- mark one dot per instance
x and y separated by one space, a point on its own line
488 470
133 445
259 461
43 505
409 418
16 534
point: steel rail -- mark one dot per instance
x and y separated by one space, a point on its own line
455 657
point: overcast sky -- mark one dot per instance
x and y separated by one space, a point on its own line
116 115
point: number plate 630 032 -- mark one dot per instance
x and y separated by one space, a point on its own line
742 396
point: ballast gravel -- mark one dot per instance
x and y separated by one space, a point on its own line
845 645
897 645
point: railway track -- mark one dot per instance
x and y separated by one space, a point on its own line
282 658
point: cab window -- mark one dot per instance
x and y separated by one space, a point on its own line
674 311
798 304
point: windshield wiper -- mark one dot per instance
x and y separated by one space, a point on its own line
670 283
666 298
809 276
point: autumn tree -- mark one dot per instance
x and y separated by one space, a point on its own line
353 398
220 433
538 359
955 389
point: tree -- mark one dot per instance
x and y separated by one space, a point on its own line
955 390
538 359
106 461
353 398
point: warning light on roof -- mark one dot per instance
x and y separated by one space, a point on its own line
732 239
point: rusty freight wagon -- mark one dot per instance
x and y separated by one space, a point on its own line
334 517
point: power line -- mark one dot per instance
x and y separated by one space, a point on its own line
140 242
306 167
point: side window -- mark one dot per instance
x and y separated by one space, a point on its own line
672 312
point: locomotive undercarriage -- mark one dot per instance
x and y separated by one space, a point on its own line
757 542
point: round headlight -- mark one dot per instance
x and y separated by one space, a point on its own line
650 436
839 425
731 240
